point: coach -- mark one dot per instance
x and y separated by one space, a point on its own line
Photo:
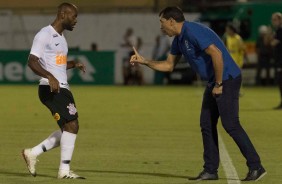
207 55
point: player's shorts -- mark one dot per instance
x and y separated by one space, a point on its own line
61 105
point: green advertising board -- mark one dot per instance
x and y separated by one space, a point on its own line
99 68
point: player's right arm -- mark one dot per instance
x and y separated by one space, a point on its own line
33 63
163 66
37 50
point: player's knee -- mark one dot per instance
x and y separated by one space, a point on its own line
71 126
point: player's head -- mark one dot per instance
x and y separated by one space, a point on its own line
276 19
169 18
67 14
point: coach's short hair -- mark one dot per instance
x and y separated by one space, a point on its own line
172 12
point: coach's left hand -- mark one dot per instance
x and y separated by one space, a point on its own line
217 91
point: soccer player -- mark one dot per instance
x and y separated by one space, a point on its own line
208 56
48 59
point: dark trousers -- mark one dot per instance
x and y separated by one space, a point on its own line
279 81
227 107
260 67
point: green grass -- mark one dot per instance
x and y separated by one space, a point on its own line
134 135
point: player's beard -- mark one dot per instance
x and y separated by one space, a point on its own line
68 26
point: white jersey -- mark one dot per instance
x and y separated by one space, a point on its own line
51 48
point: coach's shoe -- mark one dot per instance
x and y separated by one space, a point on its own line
255 175
204 175
30 160
63 174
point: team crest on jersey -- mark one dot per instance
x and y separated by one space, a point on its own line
57 116
55 35
72 109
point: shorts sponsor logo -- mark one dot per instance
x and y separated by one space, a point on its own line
57 116
72 109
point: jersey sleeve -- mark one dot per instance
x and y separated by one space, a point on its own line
39 44
174 50
201 38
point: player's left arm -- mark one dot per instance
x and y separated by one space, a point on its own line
76 64
217 60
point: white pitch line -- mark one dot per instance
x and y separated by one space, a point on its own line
226 162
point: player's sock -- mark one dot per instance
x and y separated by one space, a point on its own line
51 142
67 147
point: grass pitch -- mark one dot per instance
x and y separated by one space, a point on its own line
133 135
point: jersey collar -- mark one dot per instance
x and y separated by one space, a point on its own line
185 24
55 33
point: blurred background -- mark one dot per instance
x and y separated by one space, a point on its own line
106 30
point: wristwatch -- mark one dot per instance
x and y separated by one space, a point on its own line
218 84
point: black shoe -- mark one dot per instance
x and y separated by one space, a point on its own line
255 175
204 175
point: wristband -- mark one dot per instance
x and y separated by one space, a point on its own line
218 84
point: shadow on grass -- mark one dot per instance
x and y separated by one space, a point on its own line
258 110
134 173
220 178
7 173
231 179
163 175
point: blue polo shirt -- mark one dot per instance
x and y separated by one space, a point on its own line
192 42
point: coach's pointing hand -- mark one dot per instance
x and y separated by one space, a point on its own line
137 58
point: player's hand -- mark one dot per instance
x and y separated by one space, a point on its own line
80 66
216 92
54 84
137 58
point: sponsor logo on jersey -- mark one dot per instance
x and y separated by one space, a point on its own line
57 116
61 59
187 45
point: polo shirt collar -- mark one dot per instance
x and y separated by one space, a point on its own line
182 30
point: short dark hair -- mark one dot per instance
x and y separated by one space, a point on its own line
63 6
172 12
232 27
